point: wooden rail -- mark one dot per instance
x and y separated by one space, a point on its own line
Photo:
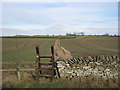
7 70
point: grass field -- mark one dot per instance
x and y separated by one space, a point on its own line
82 46
87 45
26 48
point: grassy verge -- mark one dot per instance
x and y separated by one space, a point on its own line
76 82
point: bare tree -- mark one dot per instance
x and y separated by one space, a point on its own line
106 34
82 33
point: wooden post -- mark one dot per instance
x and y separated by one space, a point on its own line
18 73
38 65
53 64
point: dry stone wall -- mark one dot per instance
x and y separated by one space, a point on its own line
101 66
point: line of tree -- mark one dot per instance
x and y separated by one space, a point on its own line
83 34
75 34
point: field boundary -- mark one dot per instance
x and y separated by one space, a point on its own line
49 37
61 52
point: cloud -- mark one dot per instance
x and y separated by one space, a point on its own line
59 0
58 28
70 13
59 18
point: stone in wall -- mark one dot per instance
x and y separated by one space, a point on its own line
102 66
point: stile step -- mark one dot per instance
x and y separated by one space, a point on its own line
45 56
45 63
46 68
48 75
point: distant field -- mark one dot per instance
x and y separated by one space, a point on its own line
92 45
26 47
60 36
81 46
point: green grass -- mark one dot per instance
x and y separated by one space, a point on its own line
52 84
82 46
91 45
26 49
78 82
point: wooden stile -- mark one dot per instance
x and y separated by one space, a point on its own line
39 64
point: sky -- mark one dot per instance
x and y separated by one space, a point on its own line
43 18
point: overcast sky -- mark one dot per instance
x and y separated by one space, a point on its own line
59 18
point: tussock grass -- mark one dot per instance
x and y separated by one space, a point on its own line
75 82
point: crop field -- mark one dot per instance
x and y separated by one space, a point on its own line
23 49
87 45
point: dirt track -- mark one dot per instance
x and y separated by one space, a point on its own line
60 52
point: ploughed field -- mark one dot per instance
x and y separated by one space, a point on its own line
93 46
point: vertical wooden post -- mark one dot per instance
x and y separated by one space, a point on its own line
53 64
38 65
18 73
